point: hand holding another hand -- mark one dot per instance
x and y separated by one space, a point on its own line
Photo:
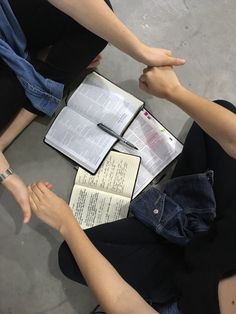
159 81
48 207
19 191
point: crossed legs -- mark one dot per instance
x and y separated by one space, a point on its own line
144 260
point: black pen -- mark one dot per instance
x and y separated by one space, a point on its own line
112 133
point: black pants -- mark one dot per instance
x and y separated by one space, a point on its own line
72 48
142 258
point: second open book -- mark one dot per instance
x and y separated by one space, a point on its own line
105 197
97 100
75 132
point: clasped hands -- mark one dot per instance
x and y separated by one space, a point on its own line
160 80
39 198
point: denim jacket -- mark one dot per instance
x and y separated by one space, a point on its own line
186 207
43 93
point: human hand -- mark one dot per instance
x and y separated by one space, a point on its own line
17 188
95 62
48 207
157 57
19 191
159 81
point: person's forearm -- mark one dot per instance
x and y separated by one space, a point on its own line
214 119
4 165
20 122
99 18
111 291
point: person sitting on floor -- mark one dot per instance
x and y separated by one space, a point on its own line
42 50
141 271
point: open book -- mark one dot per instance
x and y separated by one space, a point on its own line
105 197
157 147
75 132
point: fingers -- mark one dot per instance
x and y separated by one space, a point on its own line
142 78
26 213
48 185
38 194
147 69
157 69
43 188
39 190
33 196
32 203
174 61
143 86
143 83
35 204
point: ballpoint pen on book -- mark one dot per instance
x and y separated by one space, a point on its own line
112 133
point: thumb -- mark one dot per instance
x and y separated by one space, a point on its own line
142 83
26 213
174 61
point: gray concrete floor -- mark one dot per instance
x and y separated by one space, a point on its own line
204 33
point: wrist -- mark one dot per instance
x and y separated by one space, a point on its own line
68 224
138 52
1 147
173 94
5 176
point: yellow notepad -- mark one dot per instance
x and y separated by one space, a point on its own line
105 196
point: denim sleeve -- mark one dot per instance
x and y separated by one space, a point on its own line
28 106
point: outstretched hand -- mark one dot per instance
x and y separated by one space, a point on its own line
159 81
48 207
158 57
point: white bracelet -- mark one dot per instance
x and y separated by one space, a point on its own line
5 174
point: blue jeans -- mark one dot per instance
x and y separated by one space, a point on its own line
187 207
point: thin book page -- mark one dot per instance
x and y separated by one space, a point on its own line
116 175
103 102
106 196
79 139
157 147
75 132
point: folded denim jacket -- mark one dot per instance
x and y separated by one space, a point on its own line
44 94
186 207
